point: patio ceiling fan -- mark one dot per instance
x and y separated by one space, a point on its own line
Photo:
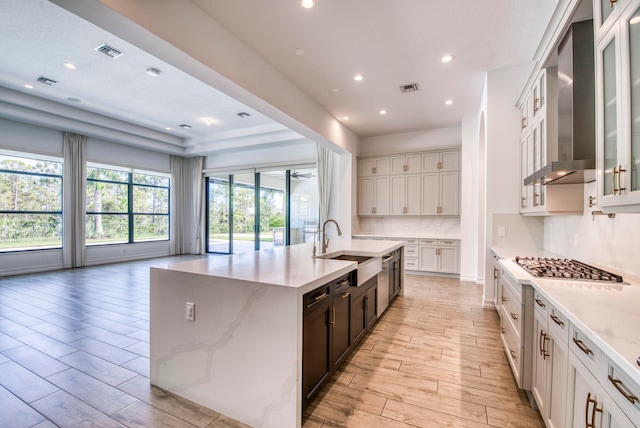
296 175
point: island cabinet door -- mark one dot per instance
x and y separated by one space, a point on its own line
341 321
358 317
316 351
370 306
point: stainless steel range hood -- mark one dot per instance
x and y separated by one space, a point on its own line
576 112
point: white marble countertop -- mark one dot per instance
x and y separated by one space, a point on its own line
291 266
407 235
608 313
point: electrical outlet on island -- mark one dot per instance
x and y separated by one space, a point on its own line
191 311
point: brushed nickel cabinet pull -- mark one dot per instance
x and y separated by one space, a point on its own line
345 295
582 347
513 355
613 180
333 316
514 316
504 299
524 122
495 273
502 330
540 343
612 2
524 203
366 302
405 168
545 354
374 170
344 282
535 105
618 384
557 320
540 303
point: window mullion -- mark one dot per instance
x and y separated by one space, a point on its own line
130 207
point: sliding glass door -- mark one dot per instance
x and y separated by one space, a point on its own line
253 211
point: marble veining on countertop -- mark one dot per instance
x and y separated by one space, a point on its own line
289 266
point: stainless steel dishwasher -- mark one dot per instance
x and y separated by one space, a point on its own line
383 284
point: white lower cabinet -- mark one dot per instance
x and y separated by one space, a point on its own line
555 415
541 357
439 255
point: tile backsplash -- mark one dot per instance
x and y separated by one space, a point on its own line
409 226
609 243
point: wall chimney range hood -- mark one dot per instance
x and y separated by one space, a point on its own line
576 112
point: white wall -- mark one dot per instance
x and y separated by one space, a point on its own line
502 153
469 176
433 139
290 155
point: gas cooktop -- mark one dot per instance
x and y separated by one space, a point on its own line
543 267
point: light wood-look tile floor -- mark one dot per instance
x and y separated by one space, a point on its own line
434 359
74 351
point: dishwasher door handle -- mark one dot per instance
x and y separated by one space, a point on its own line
385 260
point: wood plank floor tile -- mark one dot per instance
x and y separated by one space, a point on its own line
47 345
422 417
65 410
504 418
371 403
486 398
139 365
105 371
104 350
36 361
344 415
106 336
16 413
140 388
97 394
142 415
56 332
23 383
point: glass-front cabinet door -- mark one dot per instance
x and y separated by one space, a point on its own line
605 14
608 115
631 32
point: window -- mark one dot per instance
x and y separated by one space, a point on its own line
30 202
125 206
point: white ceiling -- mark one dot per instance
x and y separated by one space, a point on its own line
392 42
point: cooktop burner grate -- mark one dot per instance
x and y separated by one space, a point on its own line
566 269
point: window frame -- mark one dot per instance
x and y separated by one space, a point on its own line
130 213
35 157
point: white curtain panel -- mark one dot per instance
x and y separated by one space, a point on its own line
178 186
74 179
324 163
198 205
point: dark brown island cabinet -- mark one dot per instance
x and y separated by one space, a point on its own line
336 317
395 280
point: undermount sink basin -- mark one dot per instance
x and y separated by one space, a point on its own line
359 259
367 266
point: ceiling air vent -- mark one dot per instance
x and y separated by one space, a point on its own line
411 87
46 81
243 114
109 51
185 126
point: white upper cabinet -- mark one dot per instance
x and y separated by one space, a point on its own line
441 161
373 166
606 14
618 112
409 164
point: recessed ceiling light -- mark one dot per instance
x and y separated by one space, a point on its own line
70 66
168 128
448 102
635 20
185 126
358 77
209 121
335 90
307 4
153 72
299 52
448 58
345 117
74 100
383 112
28 86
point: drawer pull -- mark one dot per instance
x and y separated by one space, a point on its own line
513 355
618 384
582 347
344 282
595 409
541 303
319 296
557 320
504 299
345 295
514 316
332 321
502 330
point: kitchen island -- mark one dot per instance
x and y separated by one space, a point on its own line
242 353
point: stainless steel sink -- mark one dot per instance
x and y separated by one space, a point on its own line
359 259
368 267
